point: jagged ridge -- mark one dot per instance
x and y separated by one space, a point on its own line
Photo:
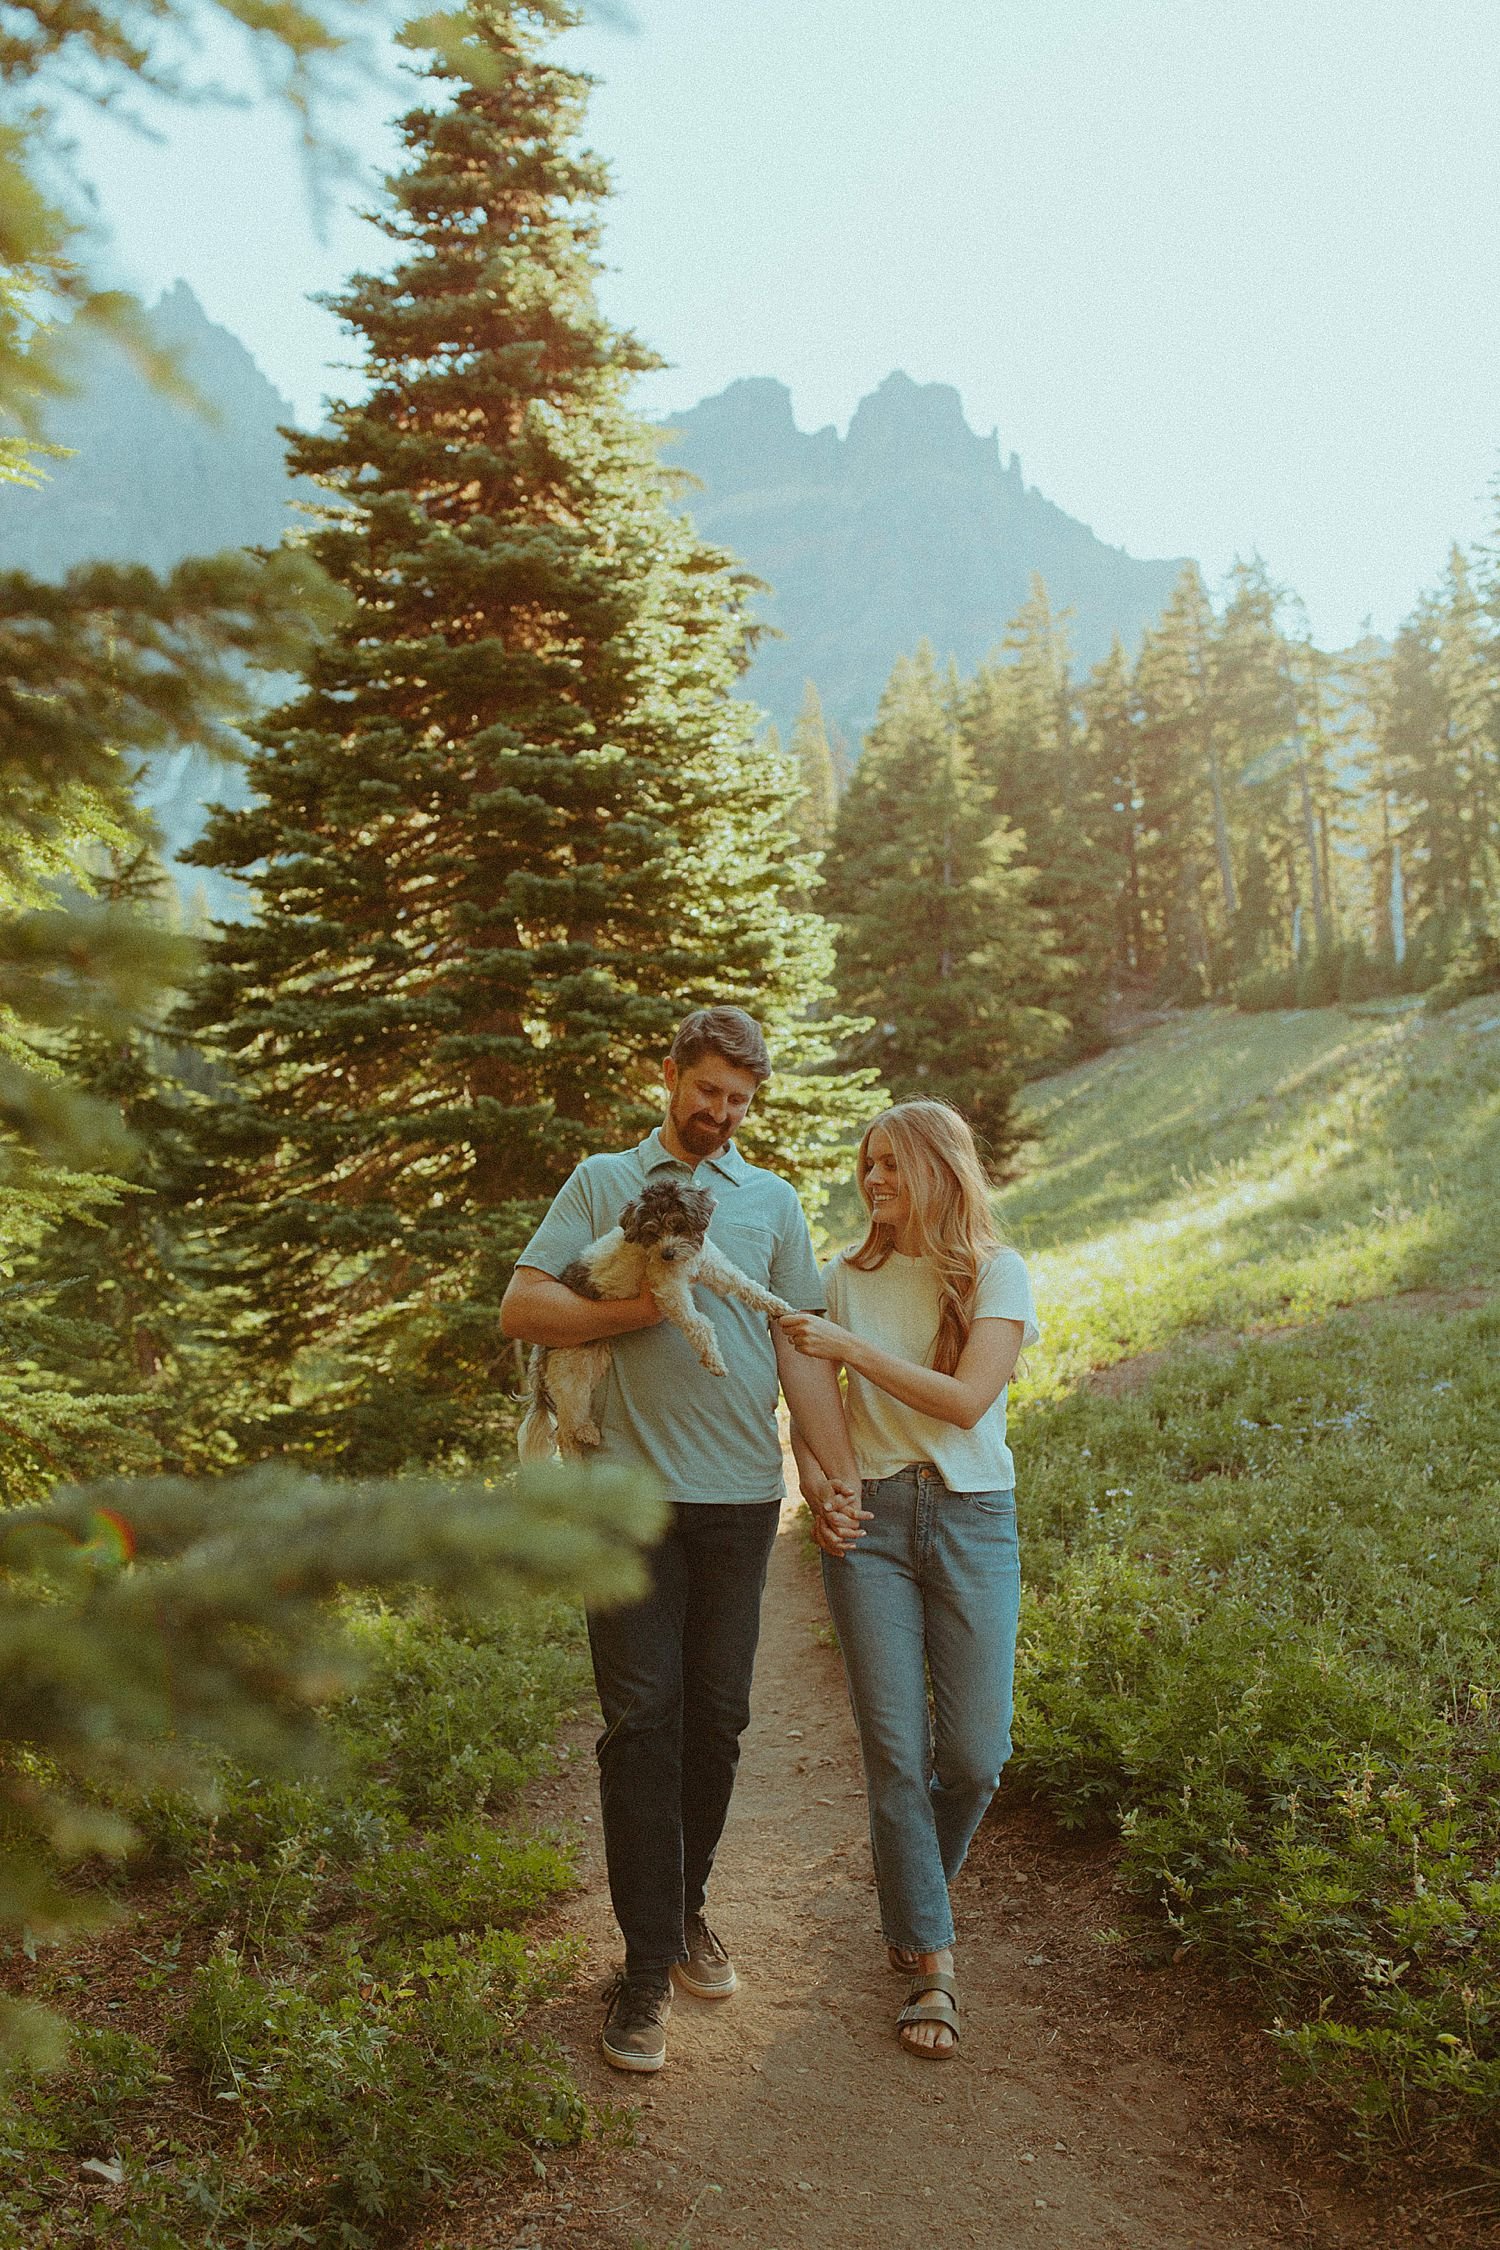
913 525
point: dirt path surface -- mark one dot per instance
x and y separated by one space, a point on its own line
1096 2103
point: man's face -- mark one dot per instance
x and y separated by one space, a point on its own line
707 1100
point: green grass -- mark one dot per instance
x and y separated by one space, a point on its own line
1234 1171
327 2014
1261 1631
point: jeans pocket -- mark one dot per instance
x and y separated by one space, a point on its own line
991 1503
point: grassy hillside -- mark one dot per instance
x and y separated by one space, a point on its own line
1240 1171
1261 1630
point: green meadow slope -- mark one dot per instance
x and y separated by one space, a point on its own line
1262 1623
1239 1171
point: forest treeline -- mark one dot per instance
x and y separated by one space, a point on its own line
1235 815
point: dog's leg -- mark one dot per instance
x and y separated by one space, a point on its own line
536 1440
676 1301
574 1372
724 1277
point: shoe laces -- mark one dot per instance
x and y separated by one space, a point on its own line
706 1941
637 1999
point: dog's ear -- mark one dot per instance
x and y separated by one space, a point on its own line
630 1219
697 1209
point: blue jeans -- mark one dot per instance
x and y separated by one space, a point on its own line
929 1597
673 1674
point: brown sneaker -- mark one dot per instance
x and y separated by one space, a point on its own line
708 1972
635 2025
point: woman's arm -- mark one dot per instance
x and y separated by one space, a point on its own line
986 1366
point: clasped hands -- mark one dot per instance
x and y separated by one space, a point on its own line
838 1520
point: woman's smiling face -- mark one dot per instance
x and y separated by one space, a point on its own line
890 1201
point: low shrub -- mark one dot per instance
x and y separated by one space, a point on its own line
1260 990
345 2083
465 1875
1261 1636
351 2043
1472 969
450 1722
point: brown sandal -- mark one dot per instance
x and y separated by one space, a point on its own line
933 1998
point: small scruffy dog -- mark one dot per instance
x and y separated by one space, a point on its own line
661 1245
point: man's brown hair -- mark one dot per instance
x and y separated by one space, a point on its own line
726 1032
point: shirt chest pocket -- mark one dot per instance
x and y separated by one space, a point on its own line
746 1244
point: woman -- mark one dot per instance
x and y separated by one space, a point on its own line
928 1316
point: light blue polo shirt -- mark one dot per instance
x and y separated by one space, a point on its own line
703 1437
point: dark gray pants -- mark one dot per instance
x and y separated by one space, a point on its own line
673 1675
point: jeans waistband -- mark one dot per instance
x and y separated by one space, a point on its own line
916 1474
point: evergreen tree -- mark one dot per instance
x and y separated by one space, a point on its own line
1261 745
516 825
1110 748
940 941
109 1308
109 662
1019 720
1176 844
811 754
1434 708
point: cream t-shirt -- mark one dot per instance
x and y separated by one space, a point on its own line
896 1307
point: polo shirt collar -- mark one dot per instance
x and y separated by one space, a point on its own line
655 1155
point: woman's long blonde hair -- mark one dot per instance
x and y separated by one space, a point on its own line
954 1227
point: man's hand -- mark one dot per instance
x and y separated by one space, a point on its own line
838 1518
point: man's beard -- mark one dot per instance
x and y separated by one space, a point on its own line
703 1137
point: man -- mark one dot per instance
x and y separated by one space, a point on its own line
673 1669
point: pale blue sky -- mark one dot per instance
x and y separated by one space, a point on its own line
1225 273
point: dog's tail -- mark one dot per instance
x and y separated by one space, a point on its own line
536 1440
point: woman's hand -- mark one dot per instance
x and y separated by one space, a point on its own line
815 1337
838 1520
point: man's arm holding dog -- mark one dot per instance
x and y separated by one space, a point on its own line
537 1309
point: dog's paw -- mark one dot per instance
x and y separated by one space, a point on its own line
588 1433
712 1364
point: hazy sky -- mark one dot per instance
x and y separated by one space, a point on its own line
1225 273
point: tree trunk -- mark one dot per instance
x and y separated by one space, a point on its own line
1221 833
1314 871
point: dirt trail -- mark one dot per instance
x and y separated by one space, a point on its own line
1095 2103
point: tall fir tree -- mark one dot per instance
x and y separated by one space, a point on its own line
1434 714
1020 721
940 940
1110 750
1261 745
811 753
517 824
1171 692
1445 749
